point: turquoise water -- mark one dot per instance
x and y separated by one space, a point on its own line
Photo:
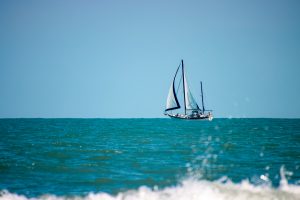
159 158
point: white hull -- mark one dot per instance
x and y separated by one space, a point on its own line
191 117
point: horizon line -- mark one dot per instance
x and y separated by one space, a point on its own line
142 118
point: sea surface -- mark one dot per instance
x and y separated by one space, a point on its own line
133 159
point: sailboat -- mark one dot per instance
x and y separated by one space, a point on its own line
191 109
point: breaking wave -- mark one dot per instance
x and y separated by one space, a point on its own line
189 189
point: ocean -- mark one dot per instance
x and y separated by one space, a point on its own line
131 159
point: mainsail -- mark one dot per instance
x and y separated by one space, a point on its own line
190 103
172 101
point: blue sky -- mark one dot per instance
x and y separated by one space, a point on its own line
117 58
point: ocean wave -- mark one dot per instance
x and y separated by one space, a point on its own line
191 189
187 190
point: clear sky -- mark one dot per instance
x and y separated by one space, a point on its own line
110 58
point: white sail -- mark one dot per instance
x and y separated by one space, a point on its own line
190 102
172 102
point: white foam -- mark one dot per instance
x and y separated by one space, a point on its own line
188 190
192 189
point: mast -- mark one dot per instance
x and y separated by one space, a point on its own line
183 86
202 96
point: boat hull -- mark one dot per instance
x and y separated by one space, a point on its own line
186 117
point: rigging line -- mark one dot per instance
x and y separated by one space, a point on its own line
180 78
179 84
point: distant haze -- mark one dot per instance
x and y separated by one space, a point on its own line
117 58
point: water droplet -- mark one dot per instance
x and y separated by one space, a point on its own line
263 177
261 154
